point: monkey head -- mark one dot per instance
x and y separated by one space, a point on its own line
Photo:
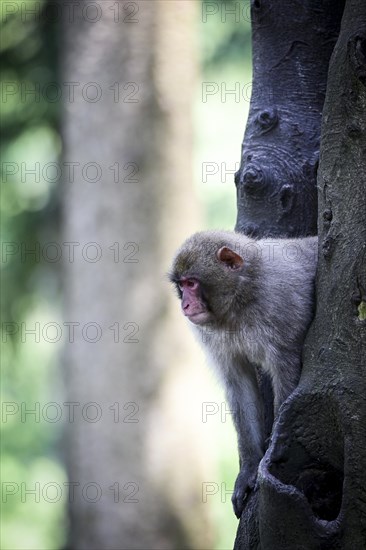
214 276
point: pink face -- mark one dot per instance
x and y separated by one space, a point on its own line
192 306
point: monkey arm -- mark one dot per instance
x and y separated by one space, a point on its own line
248 416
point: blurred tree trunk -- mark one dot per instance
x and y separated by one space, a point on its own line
129 206
312 481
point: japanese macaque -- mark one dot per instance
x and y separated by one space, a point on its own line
250 303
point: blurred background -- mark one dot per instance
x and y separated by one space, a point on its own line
121 131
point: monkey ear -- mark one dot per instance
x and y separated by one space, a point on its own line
230 258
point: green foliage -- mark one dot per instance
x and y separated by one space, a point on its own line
30 214
222 106
29 130
362 311
225 33
29 290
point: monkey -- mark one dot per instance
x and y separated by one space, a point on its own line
250 303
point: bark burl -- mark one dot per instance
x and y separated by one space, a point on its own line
276 183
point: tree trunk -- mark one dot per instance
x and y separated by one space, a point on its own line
136 470
276 183
312 481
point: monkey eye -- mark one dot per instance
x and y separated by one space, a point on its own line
187 283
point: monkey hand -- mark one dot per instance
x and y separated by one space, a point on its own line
244 484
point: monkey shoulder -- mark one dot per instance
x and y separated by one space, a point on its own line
288 270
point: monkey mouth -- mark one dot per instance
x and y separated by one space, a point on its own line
199 318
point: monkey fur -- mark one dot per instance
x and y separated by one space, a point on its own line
250 303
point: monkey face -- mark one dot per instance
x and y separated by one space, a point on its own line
192 303
209 276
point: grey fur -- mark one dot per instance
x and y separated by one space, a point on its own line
260 315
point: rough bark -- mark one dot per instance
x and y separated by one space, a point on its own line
312 481
130 372
276 183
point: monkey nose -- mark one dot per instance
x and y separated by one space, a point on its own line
186 305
